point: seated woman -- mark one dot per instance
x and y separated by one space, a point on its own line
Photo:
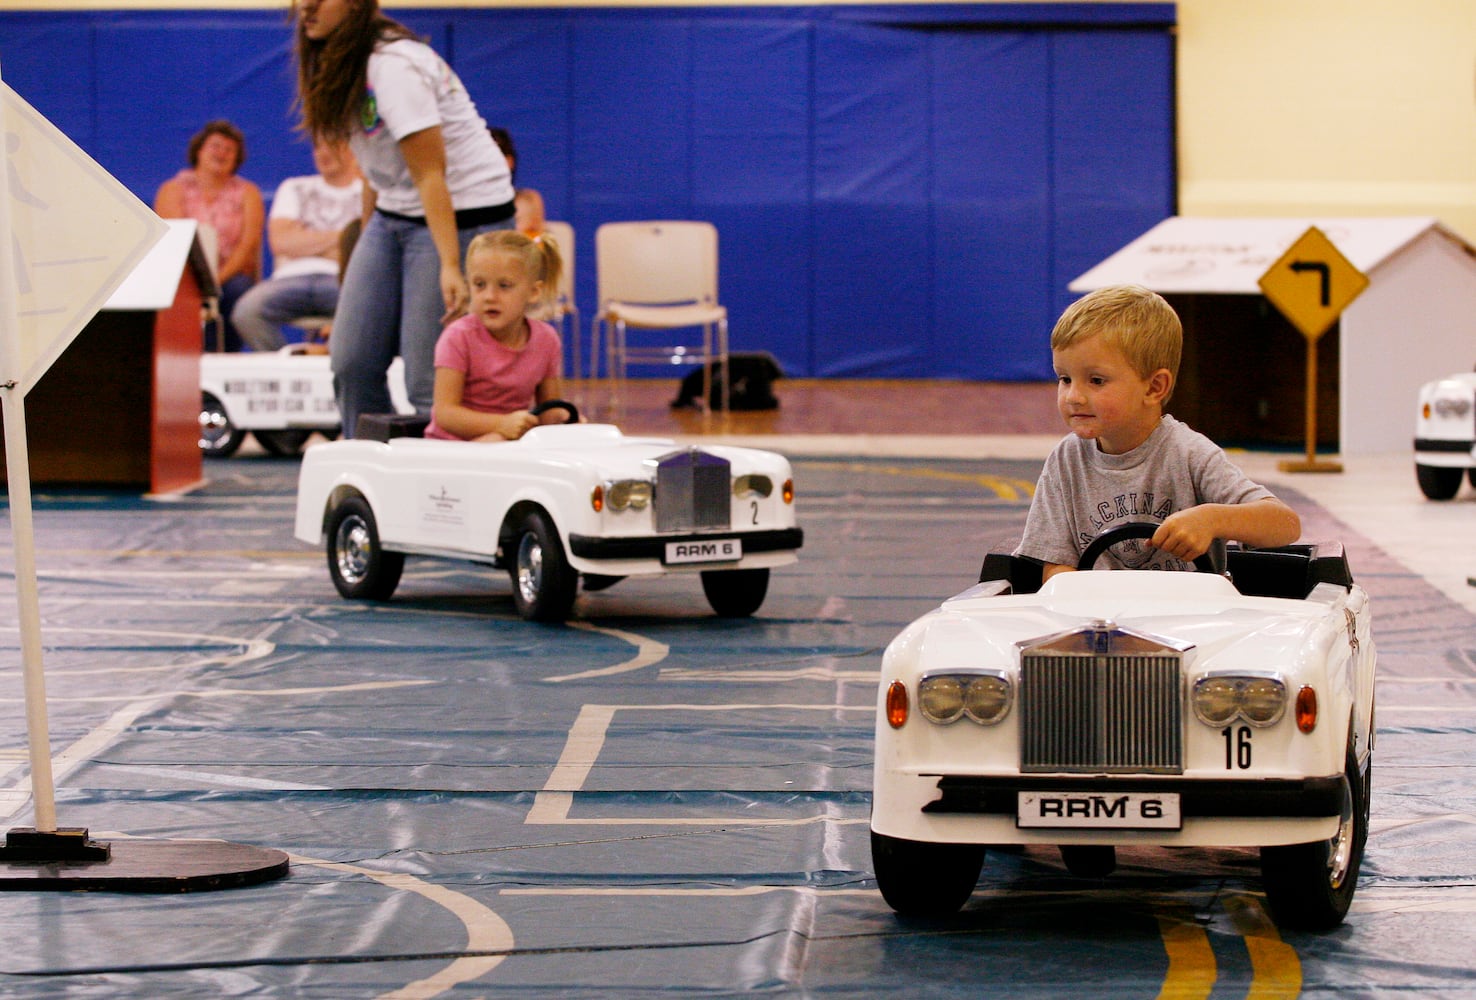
211 192
496 363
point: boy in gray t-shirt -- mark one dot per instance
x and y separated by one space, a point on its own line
1116 355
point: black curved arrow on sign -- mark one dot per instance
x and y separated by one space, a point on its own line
1322 269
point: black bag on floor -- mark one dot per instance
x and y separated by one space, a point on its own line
750 385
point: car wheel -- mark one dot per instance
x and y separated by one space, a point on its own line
219 438
1310 886
919 879
1438 482
1471 476
283 443
360 567
542 580
735 593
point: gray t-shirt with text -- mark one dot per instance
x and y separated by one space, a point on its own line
1083 491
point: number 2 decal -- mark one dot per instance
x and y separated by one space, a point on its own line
753 506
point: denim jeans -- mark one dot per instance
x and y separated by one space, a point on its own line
261 312
390 304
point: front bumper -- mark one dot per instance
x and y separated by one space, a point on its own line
654 546
1198 798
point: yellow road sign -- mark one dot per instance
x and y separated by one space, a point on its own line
1312 283
76 234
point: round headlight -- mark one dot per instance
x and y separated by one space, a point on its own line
987 699
630 493
1262 700
1216 700
754 483
941 699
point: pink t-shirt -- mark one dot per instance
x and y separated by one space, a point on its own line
498 380
226 211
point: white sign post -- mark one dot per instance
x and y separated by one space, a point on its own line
69 235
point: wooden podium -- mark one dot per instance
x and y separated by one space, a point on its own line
120 408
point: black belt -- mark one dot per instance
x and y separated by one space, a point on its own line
466 218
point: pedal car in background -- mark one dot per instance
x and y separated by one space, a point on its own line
281 397
563 501
1445 435
1132 708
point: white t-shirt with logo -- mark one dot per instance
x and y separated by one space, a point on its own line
411 88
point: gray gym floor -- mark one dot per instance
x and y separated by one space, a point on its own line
648 800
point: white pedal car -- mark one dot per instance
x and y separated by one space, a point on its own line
281 397
1132 708
563 500
1445 435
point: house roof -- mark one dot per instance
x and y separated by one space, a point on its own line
1196 254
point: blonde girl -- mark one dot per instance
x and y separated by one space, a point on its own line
496 363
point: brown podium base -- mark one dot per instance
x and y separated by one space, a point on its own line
68 860
1310 465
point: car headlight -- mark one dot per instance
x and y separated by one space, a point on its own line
753 485
1447 407
629 494
1219 699
946 698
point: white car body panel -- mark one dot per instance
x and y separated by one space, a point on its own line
452 498
1323 641
282 390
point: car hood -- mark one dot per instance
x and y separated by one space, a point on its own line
1200 610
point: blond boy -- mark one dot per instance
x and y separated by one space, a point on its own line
1116 355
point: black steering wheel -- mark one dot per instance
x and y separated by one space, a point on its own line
557 404
1212 561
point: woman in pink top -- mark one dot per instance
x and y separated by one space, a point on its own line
496 363
211 192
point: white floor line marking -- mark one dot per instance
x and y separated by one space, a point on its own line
286 692
216 780
648 651
62 764
485 930
251 649
764 676
746 890
587 738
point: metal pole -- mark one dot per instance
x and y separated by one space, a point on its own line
18 471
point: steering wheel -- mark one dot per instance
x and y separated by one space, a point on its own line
1212 561
557 404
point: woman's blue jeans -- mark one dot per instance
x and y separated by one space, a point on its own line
390 304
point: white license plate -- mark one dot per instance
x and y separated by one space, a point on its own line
704 550
1099 810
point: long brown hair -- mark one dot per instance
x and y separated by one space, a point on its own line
332 80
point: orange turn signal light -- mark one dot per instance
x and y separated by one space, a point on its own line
597 499
897 704
1306 709
788 491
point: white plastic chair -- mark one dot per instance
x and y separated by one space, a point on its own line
561 311
658 276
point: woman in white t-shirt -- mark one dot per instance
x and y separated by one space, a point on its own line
434 179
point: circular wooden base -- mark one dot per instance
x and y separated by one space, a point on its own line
155 866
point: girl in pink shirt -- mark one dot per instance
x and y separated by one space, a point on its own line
496 363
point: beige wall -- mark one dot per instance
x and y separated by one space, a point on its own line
1286 107
1356 107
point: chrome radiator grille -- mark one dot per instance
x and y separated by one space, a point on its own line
693 492
1113 714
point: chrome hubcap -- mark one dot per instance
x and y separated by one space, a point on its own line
214 427
530 568
1340 848
352 548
